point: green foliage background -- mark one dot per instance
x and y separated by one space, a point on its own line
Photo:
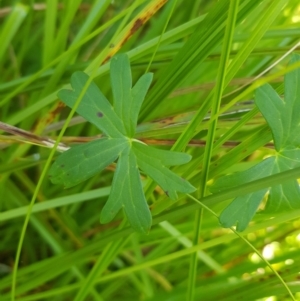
67 254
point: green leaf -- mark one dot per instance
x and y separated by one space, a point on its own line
286 196
84 161
256 172
121 82
138 94
281 197
241 210
282 115
127 192
168 158
94 107
127 101
164 177
284 120
118 124
270 109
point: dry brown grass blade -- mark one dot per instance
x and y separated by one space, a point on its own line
134 25
31 138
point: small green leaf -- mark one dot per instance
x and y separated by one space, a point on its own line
138 94
287 195
168 158
281 197
271 106
84 161
127 192
259 171
121 83
118 124
241 210
284 120
282 115
94 107
163 176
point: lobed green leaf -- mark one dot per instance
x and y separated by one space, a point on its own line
127 192
138 94
94 107
121 83
282 115
284 120
167 158
241 210
118 123
163 176
81 162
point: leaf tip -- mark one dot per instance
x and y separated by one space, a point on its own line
228 222
143 229
105 217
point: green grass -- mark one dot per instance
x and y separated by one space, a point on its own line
207 59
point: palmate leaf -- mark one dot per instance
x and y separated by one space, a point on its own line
283 117
118 124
